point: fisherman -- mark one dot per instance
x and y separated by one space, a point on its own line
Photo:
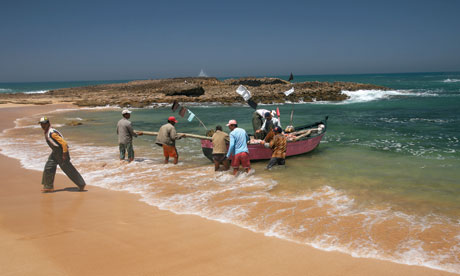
59 156
220 140
238 147
269 124
257 122
278 146
166 138
125 136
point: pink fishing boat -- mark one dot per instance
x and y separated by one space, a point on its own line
294 147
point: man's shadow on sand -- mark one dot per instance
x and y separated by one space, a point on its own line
70 189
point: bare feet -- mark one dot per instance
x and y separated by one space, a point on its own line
47 190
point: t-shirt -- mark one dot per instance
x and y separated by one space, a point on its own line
267 126
238 142
55 140
125 131
167 135
219 142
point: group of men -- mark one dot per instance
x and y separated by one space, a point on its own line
166 138
268 129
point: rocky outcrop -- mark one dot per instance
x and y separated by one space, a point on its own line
74 123
256 81
184 89
203 89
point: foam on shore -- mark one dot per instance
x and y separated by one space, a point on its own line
325 218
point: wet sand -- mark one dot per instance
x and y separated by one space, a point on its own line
102 232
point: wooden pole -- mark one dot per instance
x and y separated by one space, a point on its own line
200 121
186 135
197 119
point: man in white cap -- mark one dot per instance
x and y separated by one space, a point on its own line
238 147
59 156
125 135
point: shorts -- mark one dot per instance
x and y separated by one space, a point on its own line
242 159
169 151
219 157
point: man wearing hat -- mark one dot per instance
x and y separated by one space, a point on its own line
166 138
59 156
125 135
238 147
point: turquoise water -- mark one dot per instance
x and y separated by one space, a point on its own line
384 182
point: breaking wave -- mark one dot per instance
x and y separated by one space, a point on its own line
36 92
451 80
361 96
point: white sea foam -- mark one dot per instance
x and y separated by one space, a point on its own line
372 95
195 189
106 107
362 96
414 120
5 90
36 92
451 80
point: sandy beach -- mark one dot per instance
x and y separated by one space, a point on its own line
103 232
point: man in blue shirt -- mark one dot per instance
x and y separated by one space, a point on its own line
238 147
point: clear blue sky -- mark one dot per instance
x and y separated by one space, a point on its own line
96 40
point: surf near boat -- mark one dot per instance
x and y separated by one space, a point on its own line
302 140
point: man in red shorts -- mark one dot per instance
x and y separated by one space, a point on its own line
166 138
238 147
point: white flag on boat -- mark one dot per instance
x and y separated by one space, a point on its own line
289 92
243 92
191 116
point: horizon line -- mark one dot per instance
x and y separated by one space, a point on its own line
227 77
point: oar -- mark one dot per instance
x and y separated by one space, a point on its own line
187 135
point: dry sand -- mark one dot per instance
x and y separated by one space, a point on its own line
102 232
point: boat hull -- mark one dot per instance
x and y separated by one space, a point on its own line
259 152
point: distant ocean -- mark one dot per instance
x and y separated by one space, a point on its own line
43 87
384 182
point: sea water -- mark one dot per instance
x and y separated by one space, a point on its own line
383 183
43 87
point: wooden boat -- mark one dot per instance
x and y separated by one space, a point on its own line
308 139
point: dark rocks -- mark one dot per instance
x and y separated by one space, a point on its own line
147 92
184 89
256 81
74 123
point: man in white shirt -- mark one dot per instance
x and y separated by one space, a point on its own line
269 124
257 121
